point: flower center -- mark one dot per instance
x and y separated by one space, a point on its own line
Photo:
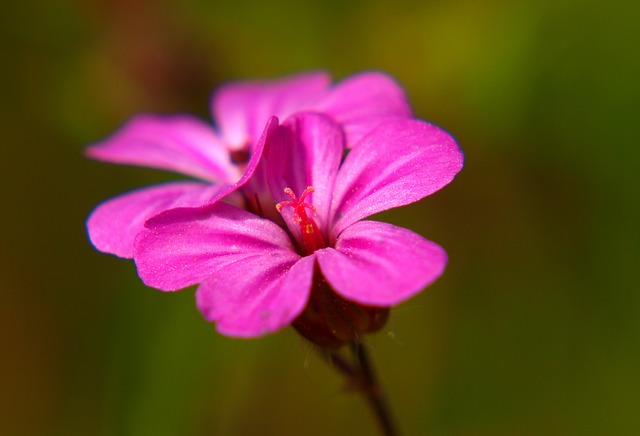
311 236
240 156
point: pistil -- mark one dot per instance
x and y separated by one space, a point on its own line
311 237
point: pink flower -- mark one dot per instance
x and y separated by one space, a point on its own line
219 157
256 275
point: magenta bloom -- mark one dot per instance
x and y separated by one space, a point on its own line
256 275
218 157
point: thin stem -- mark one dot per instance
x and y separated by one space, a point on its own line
339 363
373 391
361 376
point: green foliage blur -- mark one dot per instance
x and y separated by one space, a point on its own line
533 330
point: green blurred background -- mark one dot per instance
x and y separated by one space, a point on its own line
535 327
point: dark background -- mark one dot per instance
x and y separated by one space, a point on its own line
534 328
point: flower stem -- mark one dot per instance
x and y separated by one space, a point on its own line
360 375
373 391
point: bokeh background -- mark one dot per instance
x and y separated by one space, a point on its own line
535 327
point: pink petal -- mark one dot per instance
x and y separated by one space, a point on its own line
252 185
361 102
380 264
307 152
114 224
174 255
242 108
400 162
177 143
256 296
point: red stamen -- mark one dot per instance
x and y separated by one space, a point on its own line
311 236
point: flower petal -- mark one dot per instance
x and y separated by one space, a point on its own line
362 101
380 264
174 255
114 224
256 296
307 152
177 143
400 162
242 109
253 184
